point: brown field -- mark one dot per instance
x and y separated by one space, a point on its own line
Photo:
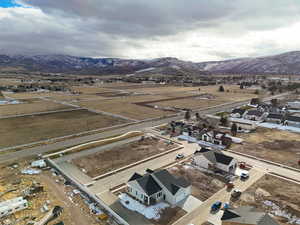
89 89
203 185
283 193
27 129
30 106
124 106
272 144
105 161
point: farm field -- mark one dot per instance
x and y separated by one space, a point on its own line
272 144
117 157
125 106
27 129
272 194
28 106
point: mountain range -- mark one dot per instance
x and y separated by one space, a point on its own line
287 63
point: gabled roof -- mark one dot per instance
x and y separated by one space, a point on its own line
135 176
149 185
293 118
254 113
239 111
274 116
170 182
247 215
218 157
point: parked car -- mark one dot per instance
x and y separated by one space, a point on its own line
244 175
216 206
180 156
236 193
230 185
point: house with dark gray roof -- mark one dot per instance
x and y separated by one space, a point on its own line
237 113
255 115
156 186
215 160
246 215
274 118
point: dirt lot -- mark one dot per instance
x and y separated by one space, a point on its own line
76 213
27 129
282 193
105 161
203 185
272 144
30 106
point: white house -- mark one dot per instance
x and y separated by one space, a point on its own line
243 123
215 161
156 186
237 113
13 205
215 137
255 115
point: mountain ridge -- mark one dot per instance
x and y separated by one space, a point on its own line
285 63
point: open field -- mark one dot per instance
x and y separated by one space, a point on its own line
27 129
30 106
125 106
269 192
272 144
56 193
203 185
117 157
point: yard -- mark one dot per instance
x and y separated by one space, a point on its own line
275 196
27 129
117 157
272 144
203 185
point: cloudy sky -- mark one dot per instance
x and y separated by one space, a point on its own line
196 30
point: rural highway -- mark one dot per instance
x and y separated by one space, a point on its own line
33 151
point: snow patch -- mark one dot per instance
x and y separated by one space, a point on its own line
280 127
150 212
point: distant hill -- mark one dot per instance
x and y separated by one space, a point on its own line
287 63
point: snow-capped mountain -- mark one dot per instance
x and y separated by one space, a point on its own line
287 63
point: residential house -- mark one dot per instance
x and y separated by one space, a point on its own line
215 137
216 161
293 121
243 123
274 118
156 186
255 115
13 205
237 113
246 215
294 105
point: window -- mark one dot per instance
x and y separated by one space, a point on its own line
159 194
136 193
142 196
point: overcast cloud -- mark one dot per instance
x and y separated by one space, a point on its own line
194 30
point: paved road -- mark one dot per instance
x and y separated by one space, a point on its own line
137 126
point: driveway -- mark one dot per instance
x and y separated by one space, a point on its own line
189 204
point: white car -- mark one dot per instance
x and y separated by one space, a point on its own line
180 156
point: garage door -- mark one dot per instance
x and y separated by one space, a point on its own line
180 197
